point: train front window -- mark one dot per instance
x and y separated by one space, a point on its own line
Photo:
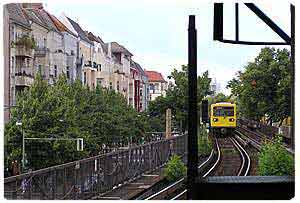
223 111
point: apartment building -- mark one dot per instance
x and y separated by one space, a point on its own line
50 59
85 49
36 41
143 89
121 68
18 54
69 49
138 87
100 57
157 85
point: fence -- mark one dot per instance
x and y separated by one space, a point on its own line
92 176
267 129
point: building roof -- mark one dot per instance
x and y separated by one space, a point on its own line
155 76
33 16
16 14
45 17
32 5
117 48
95 38
79 30
59 25
138 68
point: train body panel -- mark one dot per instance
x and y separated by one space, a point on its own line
223 117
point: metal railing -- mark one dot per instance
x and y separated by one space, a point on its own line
92 176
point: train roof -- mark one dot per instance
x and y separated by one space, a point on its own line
223 104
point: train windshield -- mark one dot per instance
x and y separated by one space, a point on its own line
223 111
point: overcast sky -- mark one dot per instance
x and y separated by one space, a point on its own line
156 31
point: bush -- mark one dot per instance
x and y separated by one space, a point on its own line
175 169
274 159
204 144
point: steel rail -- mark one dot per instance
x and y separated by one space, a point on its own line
244 154
252 140
207 173
216 163
179 195
182 179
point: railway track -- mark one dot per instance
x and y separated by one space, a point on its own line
211 166
235 159
256 139
177 191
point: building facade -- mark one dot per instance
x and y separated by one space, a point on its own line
18 53
157 85
36 41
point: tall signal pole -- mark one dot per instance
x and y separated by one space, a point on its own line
192 165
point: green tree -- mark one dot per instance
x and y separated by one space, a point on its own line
275 160
264 87
69 110
177 98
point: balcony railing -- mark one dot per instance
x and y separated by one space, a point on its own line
24 51
23 79
91 64
41 51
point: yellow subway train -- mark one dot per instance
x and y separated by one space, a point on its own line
223 118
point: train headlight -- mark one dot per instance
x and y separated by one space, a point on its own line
231 119
215 119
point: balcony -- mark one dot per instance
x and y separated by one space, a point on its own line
24 51
24 46
41 51
93 66
23 79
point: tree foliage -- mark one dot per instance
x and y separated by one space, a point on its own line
264 87
177 97
275 160
69 110
175 169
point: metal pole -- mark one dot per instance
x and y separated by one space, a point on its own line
292 7
237 21
192 169
23 150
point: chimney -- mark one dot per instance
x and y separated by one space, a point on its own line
109 50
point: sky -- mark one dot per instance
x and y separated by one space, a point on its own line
156 31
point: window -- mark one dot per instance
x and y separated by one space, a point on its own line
68 72
99 67
99 82
84 78
72 53
223 111
151 87
110 85
55 71
12 64
118 85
